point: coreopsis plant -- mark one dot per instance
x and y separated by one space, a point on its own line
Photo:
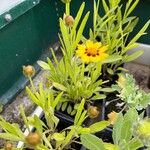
78 72
45 135
113 28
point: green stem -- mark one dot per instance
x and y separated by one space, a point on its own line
32 85
68 9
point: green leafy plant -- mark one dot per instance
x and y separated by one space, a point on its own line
114 28
71 79
123 131
45 135
70 75
78 78
130 93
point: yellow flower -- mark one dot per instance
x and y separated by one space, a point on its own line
112 117
92 52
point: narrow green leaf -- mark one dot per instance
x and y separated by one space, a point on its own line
140 33
24 117
107 90
54 56
78 16
69 109
133 56
135 144
112 59
10 137
73 112
64 106
132 7
44 65
58 137
106 8
59 86
98 97
99 126
79 111
32 97
80 31
38 124
68 137
57 100
110 71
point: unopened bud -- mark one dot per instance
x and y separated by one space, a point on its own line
33 139
93 112
28 71
112 117
69 20
8 146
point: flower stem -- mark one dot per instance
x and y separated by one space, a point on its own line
32 85
68 9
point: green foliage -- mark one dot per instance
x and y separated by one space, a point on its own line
123 131
47 101
141 130
70 37
114 29
122 135
12 131
92 142
50 137
76 80
130 93
75 83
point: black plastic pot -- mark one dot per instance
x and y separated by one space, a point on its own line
64 117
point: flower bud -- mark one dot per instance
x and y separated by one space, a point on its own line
112 117
33 139
121 81
8 146
93 112
28 71
69 21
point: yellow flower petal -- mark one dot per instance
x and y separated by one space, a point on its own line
92 52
